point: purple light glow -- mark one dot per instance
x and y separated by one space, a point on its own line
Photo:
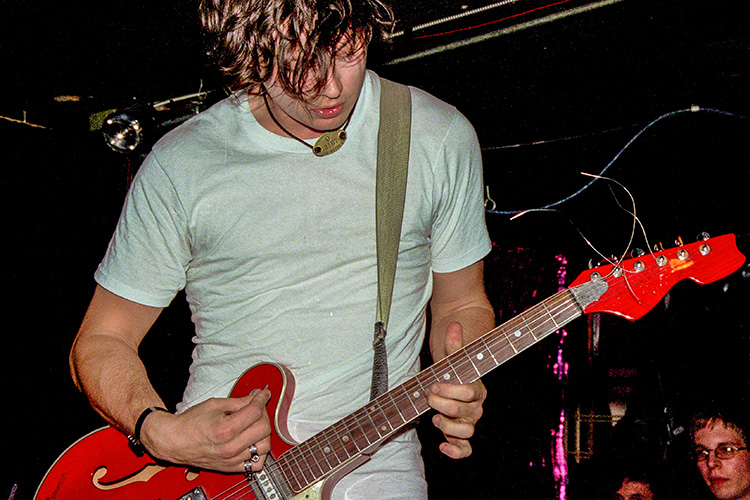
560 368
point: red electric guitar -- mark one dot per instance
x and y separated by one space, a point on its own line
102 466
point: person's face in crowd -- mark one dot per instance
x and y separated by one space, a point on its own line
728 478
633 490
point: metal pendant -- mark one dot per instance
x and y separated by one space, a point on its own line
329 142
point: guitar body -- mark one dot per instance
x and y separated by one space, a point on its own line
101 465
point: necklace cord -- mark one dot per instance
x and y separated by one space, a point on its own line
264 93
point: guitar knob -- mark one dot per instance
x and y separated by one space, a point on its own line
704 236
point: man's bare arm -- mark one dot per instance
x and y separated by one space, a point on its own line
461 313
105 365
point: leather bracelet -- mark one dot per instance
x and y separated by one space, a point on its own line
135 439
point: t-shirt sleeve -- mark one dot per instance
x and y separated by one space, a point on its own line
459 234
149 252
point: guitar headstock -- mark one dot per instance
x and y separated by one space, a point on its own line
636 285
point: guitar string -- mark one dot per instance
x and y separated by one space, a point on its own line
558 307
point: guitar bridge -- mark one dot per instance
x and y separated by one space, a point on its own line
195 494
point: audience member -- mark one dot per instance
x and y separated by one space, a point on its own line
720 439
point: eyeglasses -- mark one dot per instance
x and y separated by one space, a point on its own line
723 452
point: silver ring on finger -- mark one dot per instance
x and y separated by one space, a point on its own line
254 457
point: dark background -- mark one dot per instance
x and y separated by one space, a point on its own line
550 98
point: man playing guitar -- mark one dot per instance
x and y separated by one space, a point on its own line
274 245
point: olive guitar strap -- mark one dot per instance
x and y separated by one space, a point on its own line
390 192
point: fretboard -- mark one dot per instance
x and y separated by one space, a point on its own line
364 430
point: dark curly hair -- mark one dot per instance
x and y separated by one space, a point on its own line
249 38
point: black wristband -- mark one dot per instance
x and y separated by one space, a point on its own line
135 439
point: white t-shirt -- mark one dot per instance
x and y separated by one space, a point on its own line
276 251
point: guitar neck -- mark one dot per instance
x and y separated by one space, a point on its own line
364 430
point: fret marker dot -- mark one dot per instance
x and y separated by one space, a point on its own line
480 356
327 449
345 439
447 376
518 333
383 428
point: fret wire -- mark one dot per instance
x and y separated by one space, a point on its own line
394 404
470 357
298 458
322 443
468 371
449 361
541 320
347 441
490 351
427 377
337 449
559 305
333 450
455 365
299 472
500 343
370 425
303 450
537 320
407 397
357 432
441 370
555 310
482 357
323 458
526 323
373 425
379 418
285 467
414 390
507 337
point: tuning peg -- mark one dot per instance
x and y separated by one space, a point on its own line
637 252
704 236
659 247
678 242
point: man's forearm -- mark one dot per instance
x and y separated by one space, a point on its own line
109 371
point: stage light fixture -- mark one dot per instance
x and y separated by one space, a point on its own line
122 131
